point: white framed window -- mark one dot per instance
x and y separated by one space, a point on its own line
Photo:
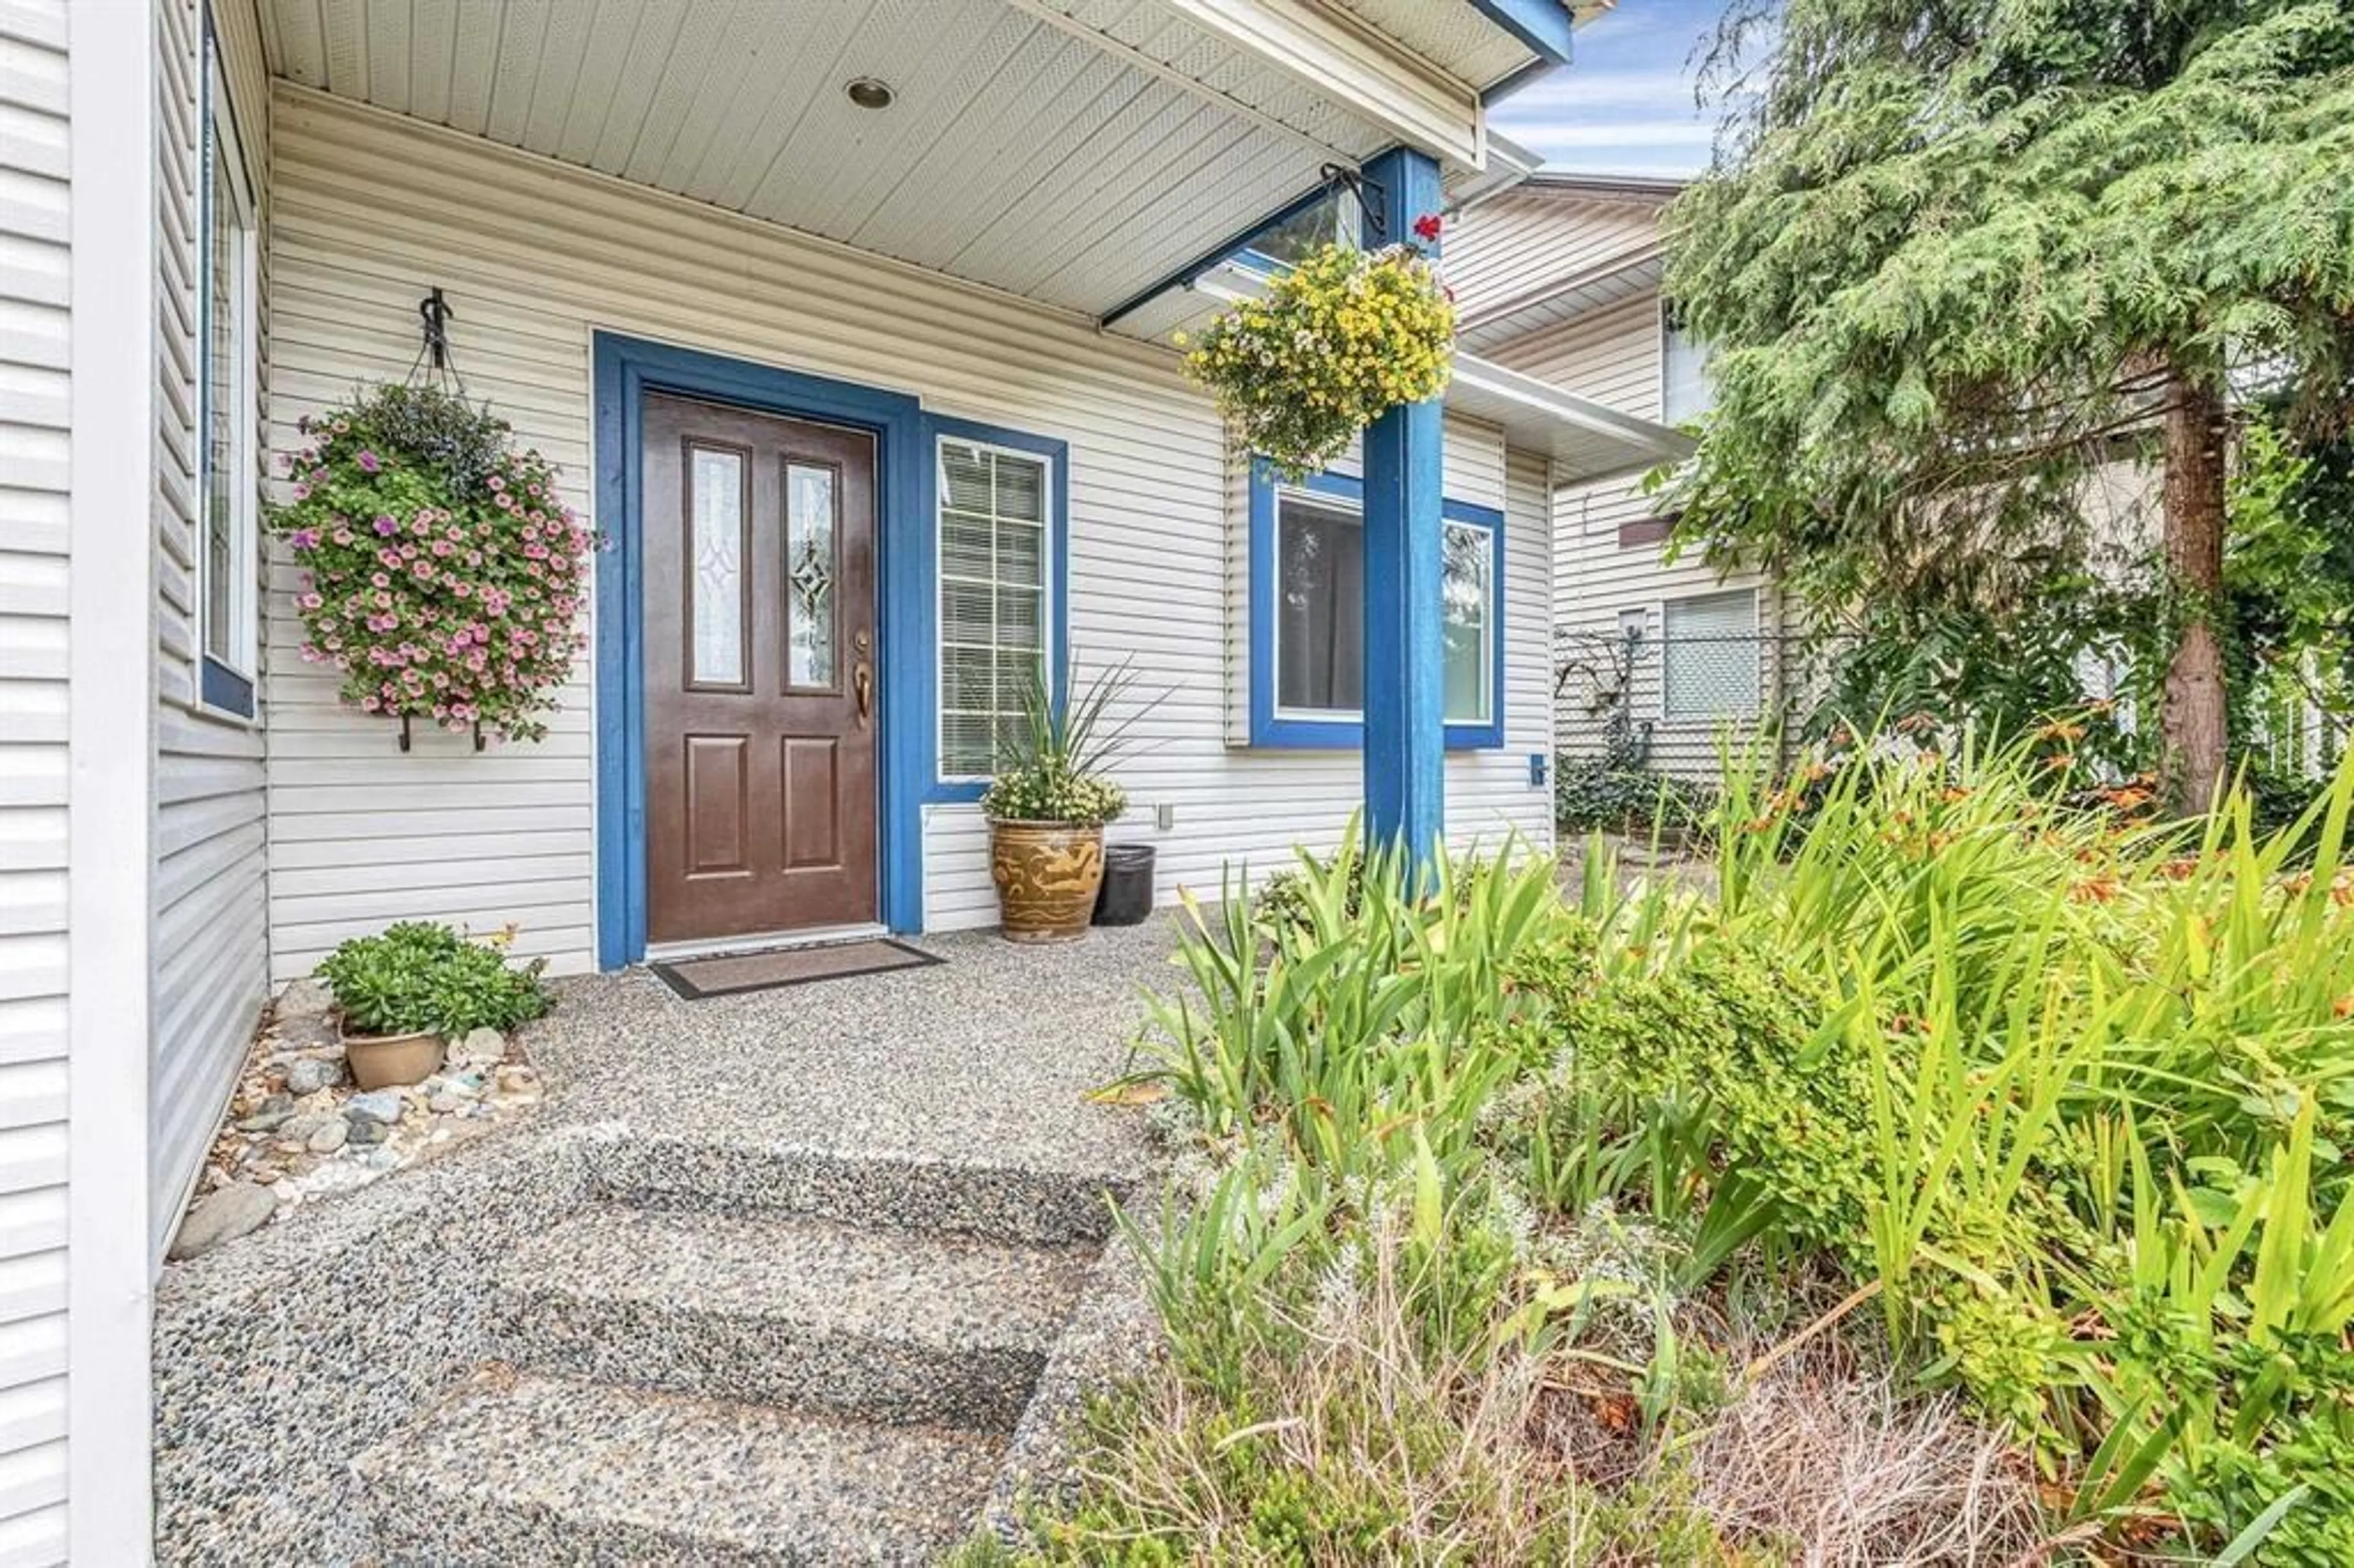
1467 594
996 615
1709 656
1320 611
228 498
1686 392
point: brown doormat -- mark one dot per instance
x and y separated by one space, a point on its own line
695 979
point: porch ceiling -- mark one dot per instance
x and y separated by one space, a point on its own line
1071 152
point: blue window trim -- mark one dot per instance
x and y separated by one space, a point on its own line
1057 453
1284 732
625 370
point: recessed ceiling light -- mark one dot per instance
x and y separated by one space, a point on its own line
868 93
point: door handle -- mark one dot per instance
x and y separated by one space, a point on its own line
862 680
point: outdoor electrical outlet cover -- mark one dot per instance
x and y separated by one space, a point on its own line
1164 816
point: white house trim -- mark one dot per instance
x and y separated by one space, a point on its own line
1371 76
110 802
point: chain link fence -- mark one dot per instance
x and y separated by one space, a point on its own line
1665 704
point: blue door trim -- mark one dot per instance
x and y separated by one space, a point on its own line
924 688
625 370
1276 731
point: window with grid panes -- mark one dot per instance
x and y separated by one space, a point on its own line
993 588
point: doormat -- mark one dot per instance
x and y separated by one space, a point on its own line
696 979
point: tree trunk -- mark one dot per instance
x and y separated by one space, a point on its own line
2194 735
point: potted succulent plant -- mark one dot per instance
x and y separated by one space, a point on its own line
1048 805
403 995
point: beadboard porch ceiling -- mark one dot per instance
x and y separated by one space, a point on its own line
1075 153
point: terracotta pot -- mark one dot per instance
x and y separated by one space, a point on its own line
389 1061
1046 875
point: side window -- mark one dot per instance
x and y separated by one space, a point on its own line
1709 664
1685 390
227 395
1320 611
995 615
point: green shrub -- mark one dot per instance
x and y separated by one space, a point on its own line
1600 794
1706 1090
2066 1093
419 976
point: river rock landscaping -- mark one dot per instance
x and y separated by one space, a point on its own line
298 1129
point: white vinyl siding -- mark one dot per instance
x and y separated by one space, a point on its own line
210 964
370 211
1534 256
36 546
994 545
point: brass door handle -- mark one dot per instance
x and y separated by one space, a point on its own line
863 680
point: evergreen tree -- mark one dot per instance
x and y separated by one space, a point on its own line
1962 262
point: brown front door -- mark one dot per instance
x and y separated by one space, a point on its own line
759 678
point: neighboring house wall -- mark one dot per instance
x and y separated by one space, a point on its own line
1610 560
1532 241
209 956
35 410
372 210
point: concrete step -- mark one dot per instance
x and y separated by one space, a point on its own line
895 1326
515 1469
1002 1202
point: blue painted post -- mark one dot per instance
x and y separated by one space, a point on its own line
1405 732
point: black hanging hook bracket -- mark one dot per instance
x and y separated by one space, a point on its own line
479 741
1372 198
437 315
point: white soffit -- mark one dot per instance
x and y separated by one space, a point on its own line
1071 152
1583 439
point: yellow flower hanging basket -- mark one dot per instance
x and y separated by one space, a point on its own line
1342 338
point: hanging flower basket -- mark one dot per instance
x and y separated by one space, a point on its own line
440 571
1342 338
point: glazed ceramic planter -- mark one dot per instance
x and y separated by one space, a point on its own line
1046 875
392 1060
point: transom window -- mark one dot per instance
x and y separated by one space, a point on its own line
228 398
993 552
1320 611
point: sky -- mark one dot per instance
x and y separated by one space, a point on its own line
1623 106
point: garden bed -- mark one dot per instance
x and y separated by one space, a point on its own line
298 1129
1958 1178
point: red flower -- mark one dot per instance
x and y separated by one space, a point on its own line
1426 227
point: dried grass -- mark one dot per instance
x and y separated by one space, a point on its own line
1832 1460
1501 1459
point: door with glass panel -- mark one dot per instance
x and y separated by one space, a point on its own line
760 673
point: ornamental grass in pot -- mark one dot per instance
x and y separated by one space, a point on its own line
402 995
1048 805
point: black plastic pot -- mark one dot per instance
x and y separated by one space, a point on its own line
1126 898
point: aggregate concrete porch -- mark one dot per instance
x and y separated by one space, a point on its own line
987 1057
804 1274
